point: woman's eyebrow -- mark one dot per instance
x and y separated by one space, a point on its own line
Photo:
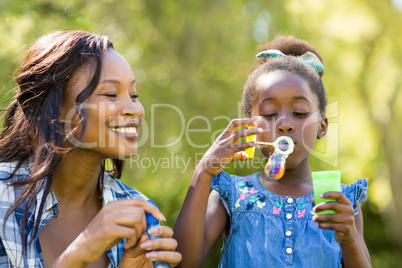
114 81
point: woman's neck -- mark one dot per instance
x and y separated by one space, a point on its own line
75 180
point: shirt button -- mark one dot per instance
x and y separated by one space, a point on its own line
290 200
289 250
289 216
288 233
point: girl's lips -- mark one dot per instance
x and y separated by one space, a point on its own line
263 143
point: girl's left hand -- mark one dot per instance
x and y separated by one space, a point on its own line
146 251
343 222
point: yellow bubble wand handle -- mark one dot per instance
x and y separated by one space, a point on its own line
250 151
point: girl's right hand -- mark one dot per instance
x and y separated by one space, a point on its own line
115 221
226 149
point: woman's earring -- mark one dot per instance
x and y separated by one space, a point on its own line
100 187
100 180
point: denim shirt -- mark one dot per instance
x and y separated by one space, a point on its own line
268 230
11 254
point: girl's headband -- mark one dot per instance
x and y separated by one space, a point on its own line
309 57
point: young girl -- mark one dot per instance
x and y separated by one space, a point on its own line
268 222
76 106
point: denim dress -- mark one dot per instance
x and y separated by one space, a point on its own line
268 230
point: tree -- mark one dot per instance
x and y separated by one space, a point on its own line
191 60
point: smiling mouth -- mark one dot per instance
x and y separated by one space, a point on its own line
125 130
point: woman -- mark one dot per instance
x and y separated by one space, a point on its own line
76 107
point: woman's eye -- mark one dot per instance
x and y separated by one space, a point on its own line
300 114
111 95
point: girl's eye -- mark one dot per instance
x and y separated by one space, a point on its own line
300 114
269 116
134 97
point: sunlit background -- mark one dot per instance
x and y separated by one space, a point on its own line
191 60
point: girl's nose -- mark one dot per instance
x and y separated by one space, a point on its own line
285 129
284 126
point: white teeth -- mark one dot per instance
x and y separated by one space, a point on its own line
128 130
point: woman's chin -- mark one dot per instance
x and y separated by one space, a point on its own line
123 153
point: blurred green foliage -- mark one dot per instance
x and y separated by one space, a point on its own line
191 59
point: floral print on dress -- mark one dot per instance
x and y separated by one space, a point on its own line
277 209
241 184
253 199
243 196
260 204
301 211
250 196
252 191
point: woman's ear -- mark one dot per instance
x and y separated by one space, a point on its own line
323 127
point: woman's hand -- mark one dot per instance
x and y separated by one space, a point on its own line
226 149
146 251
123 219
343 222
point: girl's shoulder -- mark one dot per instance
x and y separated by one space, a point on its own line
226 184
226 179
356 192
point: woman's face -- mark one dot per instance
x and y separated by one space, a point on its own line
114 113
286 106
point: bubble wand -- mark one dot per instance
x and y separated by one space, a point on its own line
275 167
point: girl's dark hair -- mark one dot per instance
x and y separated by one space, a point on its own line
293 48
32 130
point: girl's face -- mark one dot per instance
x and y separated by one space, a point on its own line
286 106
114 113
